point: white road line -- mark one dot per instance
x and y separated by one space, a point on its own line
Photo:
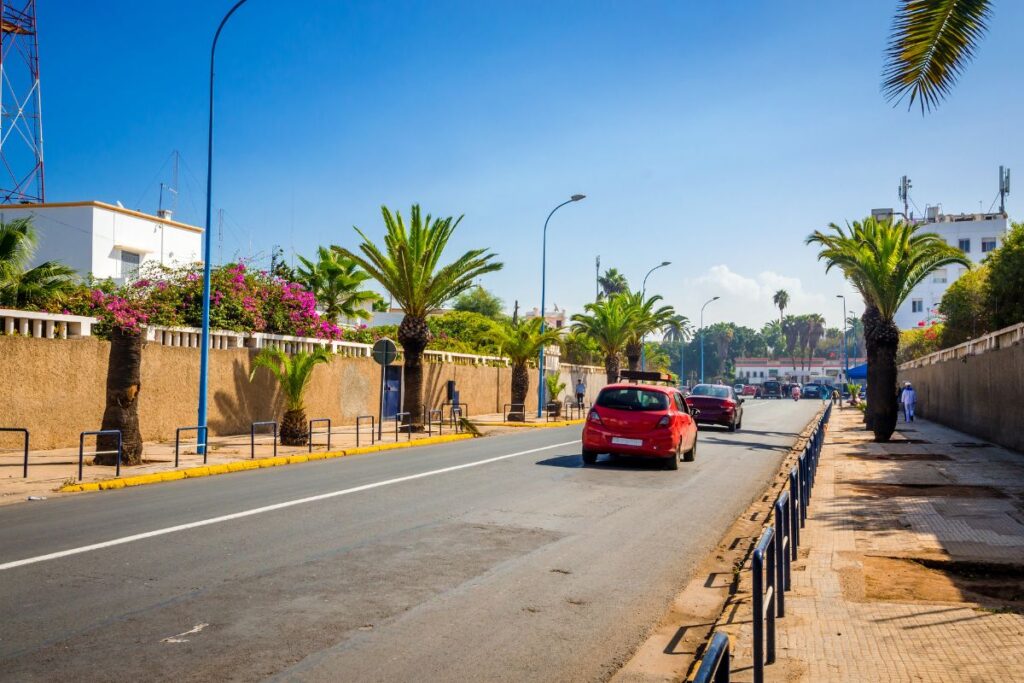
267 508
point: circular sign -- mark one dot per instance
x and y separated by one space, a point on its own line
384 351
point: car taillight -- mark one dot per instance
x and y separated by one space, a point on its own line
729 403
663 422
594 417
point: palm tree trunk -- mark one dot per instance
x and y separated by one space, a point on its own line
520 388
611 367
124 372
882 338
413 335
294 428
633 353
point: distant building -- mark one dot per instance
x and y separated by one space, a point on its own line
757 370
976 234
554 318
105 240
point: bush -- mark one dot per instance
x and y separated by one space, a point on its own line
1003 297
964 309
918 342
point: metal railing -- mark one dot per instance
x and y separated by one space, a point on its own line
101 432
252 436
509 408
24 466
398 424
428 419
457 423
373 431
783 536
319 420
201 441
714 665
764 602
450 408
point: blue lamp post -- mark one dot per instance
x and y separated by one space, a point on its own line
643 296
716 298
204 350
543 292
846 349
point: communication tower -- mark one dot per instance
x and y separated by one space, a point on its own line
21 114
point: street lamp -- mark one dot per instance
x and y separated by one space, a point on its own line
716 298
643 297
846 349
204 349
543 292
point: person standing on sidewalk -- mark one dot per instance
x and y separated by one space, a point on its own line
908 398
581 389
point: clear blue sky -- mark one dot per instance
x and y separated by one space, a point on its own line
716 135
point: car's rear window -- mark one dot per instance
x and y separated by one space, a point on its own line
771 385
632 399
711 390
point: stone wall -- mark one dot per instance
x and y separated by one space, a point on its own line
55 388
982 394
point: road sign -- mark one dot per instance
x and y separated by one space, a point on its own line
384 351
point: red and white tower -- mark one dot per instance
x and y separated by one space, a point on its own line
21 113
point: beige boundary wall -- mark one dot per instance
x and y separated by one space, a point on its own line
979 392
55 388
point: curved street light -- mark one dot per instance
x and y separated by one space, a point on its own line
643 295
846 349
702 335
543 292
204 350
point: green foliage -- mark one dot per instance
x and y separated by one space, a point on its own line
608 322
781 301
521 341
555 386
612 282
479 300
336 281
657 358
963 307
647 316
46 285
577 348
678 329
1005 293
463 332
292 372
918 342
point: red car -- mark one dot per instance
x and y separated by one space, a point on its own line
717 404
640 420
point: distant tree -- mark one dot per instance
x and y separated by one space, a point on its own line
791 331
963 307
521 342
337 282
815 330
479 300
577 348
612 282
919 341
771 334
855 334
781 299
609 322
1004 298
648 317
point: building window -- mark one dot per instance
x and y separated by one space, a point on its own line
939 276
988 244
965 245
129 264
917 306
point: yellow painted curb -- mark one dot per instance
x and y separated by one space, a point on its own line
242 465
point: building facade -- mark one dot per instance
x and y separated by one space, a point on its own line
758 370
976 235
107 241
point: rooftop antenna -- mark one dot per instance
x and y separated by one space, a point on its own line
597 278
904 193
172 189
1004 187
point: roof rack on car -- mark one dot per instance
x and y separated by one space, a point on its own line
637 376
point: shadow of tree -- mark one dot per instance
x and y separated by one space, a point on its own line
247 402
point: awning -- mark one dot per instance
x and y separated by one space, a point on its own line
858 372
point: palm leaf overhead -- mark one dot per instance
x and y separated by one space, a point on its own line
21 286
931 43
609 323
521 341
337 282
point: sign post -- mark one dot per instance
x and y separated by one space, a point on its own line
384 353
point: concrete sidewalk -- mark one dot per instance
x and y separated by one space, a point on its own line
911 564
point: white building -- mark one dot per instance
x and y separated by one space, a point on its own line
976 234
553 318
757 370
107 241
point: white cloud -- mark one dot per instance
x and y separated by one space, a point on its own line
747 300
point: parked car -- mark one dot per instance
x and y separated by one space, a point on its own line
751 390
812 391
738 388
641 420
718 405
771 389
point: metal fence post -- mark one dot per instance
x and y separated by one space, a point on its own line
794 512
763 611
22 430
317 420
714 665
782 559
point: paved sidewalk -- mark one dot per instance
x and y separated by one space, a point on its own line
910 564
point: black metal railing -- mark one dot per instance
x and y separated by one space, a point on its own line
22 430
509 409
312 431
429 415
764 602
201 441
450 409
407 425
373 431
101 432
714 665
252 436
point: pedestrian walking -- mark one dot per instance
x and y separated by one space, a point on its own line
908 397
581 390
835 396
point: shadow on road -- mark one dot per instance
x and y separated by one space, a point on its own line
608 462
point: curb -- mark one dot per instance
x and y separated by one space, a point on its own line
528 425
242 465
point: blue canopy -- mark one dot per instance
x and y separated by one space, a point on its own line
858 372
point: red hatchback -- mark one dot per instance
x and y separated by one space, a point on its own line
640 420
717 404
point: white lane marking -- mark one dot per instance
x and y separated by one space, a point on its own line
267 508
178 638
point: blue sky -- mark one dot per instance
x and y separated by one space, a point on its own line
713 135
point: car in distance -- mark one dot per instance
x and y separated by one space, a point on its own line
738 388
751 390
771 389
812 391
717 404
640 420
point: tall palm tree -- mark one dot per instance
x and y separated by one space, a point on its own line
612 282
884 261
293 374
929 47
520 342
791 330
336 281
815 328
648 317
24 287
781 299
855 333
771 332
609 322
722 336
677 329
408 269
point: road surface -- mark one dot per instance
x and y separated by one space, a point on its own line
497 559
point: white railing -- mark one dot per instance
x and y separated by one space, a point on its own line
433 356
1000 339
45 325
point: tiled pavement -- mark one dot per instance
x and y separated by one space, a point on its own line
852 615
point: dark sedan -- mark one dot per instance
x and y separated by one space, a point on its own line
716 404
812 391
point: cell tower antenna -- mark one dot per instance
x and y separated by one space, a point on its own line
21 113
904 193
1004 187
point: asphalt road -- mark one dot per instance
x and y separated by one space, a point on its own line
377 567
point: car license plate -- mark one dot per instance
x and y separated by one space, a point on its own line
619 441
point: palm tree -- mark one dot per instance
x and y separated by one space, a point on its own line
520 341
24 287
609 323
815 328
408 269
771 332
293 374
677 329
884 261
781 299
646 319
612 282
930 45
855 333
791 330
336 282
723 335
